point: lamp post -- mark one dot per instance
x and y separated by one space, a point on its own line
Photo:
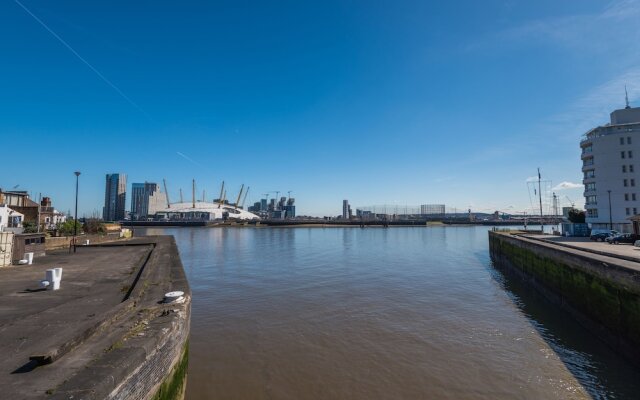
610 217
75 221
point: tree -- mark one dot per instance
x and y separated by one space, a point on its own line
67 228
577 216
29 227
93 225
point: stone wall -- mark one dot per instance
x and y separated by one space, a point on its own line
63 242
148 358
601 292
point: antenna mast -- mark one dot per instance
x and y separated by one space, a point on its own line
181 199
540 197
626 97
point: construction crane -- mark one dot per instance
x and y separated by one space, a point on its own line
573 204
289 195
245 196
239 195
166 192
220 197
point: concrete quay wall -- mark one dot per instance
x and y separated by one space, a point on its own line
148 358
601 292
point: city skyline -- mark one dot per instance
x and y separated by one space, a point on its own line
400 103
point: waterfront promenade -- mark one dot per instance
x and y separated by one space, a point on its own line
94 337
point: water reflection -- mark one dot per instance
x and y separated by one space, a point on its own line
373 313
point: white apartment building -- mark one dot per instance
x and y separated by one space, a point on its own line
611 168
10 220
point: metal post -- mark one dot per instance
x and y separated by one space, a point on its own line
610 216
540 197
75 221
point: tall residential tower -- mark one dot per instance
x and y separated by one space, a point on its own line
146 200
115 195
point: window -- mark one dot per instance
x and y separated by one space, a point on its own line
630 154
626 197
624 168
628 139
625 183
633 196
630 167
587 161
590 174
622 154
591 199
633 182
590 186
635 211
621 140
628 211
592 213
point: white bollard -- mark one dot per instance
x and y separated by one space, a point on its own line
29 257
174 297
86 242
54 276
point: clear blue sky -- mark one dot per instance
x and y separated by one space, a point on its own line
374 101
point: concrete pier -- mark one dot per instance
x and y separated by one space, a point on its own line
106 333
601 290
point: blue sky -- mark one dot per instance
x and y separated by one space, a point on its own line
398 102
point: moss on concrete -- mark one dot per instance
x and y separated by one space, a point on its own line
173 387
603 300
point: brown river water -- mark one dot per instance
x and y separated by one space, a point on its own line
373 313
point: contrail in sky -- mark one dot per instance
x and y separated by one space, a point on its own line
104 78
189 159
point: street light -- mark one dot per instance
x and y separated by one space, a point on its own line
75 221
610 217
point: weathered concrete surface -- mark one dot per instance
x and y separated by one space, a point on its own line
601 291
105 334
624 251
64 242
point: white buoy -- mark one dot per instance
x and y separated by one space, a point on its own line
54 276
174 297
29 257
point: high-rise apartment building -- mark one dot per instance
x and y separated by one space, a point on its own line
610 159
346 209
146 200
115 196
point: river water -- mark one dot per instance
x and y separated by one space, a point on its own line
373 313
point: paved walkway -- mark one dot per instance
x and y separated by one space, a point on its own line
34 322
627 251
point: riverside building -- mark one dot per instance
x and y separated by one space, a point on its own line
115 196
146 200
611 166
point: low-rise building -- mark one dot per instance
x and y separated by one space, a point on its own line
10 220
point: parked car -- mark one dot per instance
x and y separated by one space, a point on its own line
622 238
600 237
